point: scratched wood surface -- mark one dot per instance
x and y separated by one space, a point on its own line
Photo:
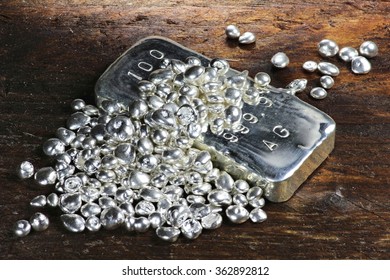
52 52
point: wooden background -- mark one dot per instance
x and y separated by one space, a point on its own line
52 52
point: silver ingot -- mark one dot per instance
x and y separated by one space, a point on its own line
191 229
328 48
120 128
77 120
52 200
212 221
25 170
112 218
125 153
328 68
141 224
262 79
21 228
247 38
326 82
45 176
318 93
77 104
360 65
219 198
73 222
90 209
348 53
280 60
177 214
70 202
39 222
258 215
170 234
237 214
144 208
224 182
310 66
38 201
368 49
232 32
93 223
199 210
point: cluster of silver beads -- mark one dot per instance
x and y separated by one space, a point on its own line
135 166
232 32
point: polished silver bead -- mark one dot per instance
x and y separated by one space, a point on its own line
253 193
111 106
21 228
106 176
191 229
89 193
120 128
193 61
70 203
224 182
90 110
107 202
45 176
199 210
212 175
25 170
241 186
145 146
194 75
368 49
328 48
177 214
146 88
310 66
262 79
108 189
163 205
170 234
39 222
52 200
156 219
124 194
297 85
219 198
258 202
318 93
233 96
127 208
326 82
160 136
258 215
172 192
73 184
195 199
190 91
240 199
360 65
144 208
90 209
141 224
348 53
93 223
129 223
112 218
233 115
232 32
194 130
38 201
280 60
53 146
138 109
186 115
161 76
138 179
77 104
73 222
125 153
109 162
151 194
328 68
237 214
212 221
178 66
221 66
247 38
77 120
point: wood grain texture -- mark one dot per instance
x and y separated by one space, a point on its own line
52 52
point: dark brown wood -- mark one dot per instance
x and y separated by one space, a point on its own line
52 52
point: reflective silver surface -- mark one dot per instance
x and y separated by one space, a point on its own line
285 139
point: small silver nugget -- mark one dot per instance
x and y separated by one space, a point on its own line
328 48
360 65
368 49
247 38
232 32
318 93
280 60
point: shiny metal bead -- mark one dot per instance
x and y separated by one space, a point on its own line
160 136
232 32
195 199
189 91
77 104
328 48
144 208
348 53
201 189
107 202
241 186
199 210
21 228
38 201
89 193
53 146
70 203
240 199
297 85
109 162
258 215
360 65
219 198
108 189
191 229
326 82
163 205
124 195
156 219
78 141
120 128
251 96
111 107
254 193
237 214
25 170
90 209
92 165
310 66
233 96
212 175
186 115
280 60
221 66
178 66
146 88
145 146
262 79
73 222
89 142
217 126
129 223
233 115
52 200
73 184
177 214
257 202
368 49
112 218
212 221
127 208
138 109
65 135
170 234
77 120
141 224
247 38
90 110
93 223
138 179
193 61
45 176
161 76
151 194
172 192
39 222
328 68
106 176
125 153
318 93
194 75
224 182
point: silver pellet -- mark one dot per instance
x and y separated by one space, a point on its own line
318 93
257 202
129 223
310 66
170 234
328 68
25 170
328 48
297 85
21 228
199 210
125 153
247 38
348 53
241 186
90 209
112 218
52 200
73 184
70 203
77 104
280 60
39 222
77 120
368 49
107 202
177 214
141 224
156 219
262 79
120 128
219 198
326 82
144 208
212 221
45 176
224 182
127 208
258 215
240 199
237 214
73 222
360 65
93 223
232 32
38 201
53 146
191 229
